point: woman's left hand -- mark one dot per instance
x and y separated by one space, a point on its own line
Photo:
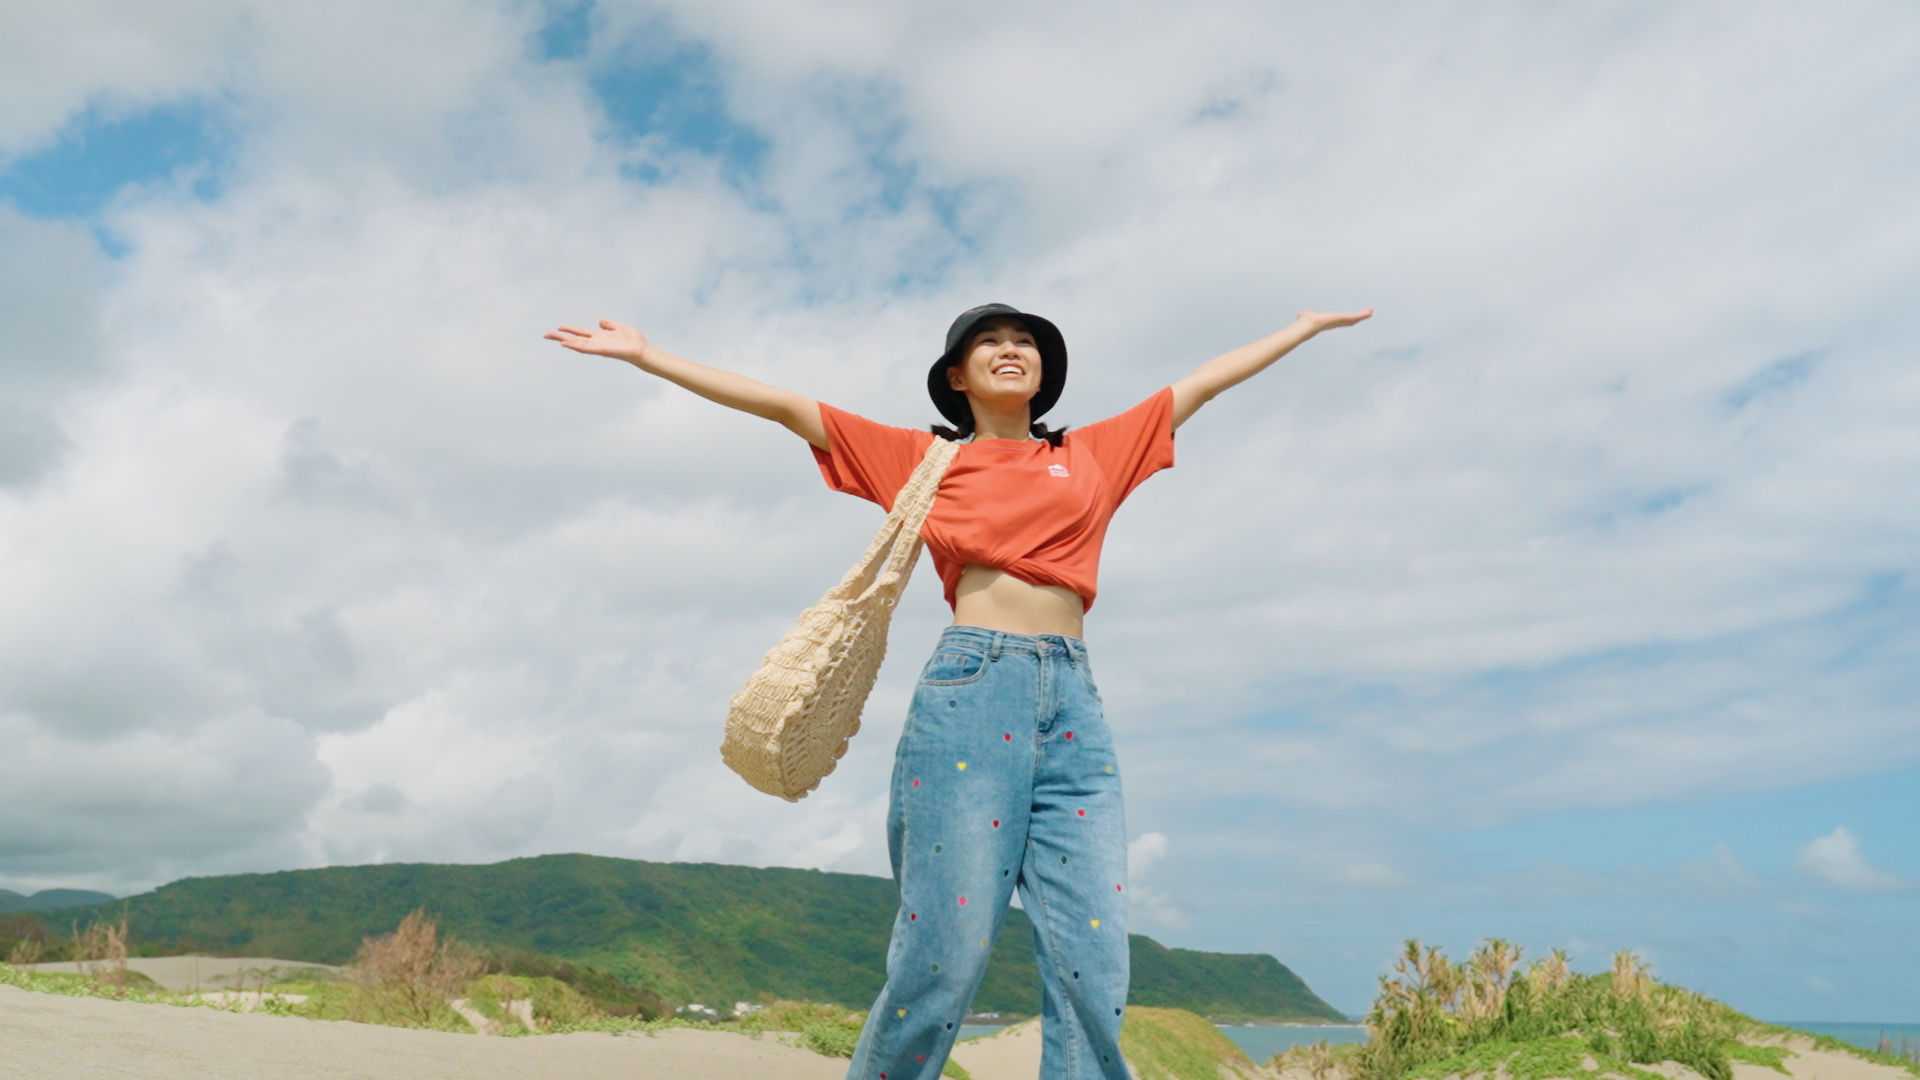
1316 321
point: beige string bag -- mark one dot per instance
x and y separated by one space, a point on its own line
787 728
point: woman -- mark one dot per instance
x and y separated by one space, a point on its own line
1005 775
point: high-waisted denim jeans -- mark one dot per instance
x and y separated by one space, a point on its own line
1004 778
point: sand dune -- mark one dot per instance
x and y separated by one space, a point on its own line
182 973
49 1037
52 1037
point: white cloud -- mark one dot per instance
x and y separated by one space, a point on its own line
1151 908
61 58
1837 860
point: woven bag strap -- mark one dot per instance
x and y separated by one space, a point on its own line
891 554
915 500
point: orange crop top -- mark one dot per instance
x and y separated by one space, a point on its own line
1037 511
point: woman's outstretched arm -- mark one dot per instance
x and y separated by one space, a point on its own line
798 414
1243 363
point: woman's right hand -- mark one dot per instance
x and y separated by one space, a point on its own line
618 340
622 342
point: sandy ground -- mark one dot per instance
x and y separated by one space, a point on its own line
1809 1063
180 973
1012 1053
49 1037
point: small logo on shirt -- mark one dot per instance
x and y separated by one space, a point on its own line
1056 470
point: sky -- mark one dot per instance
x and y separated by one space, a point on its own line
1574 599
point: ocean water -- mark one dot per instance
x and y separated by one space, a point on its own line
1865 1036
1262 1041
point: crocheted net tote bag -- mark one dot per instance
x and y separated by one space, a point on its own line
790 723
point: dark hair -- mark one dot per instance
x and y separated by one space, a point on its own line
1038 431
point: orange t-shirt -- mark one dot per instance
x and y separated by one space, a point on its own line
1037 511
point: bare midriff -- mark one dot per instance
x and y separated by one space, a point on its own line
990 597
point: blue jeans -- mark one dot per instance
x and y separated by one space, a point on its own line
1004 778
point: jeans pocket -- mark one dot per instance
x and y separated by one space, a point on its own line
953 667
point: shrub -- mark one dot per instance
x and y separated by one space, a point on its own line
409 975
23 938
1431 1011
101 952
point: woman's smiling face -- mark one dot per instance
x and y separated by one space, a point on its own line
1001 360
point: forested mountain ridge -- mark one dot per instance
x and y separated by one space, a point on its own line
50 900
689 931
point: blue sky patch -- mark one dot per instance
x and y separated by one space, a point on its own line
1764 829
678 97
99 155
1776 378
568 28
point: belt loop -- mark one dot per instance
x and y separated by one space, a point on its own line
993 646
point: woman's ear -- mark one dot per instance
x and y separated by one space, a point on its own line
957 378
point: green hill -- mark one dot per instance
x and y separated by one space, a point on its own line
689 931
50 899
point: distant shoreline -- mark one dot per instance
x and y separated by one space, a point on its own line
1289 1023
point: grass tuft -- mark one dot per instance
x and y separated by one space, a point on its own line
1433 1018
1174 1044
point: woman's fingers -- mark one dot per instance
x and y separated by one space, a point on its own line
1329 320
608 339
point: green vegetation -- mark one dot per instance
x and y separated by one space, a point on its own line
51 899
1771 1057
1434 1018
684 932
69 984
1488 1017
1174 1044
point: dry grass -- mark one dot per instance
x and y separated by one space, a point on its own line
1432 1013
1319 1060
27 950
410 975
101 952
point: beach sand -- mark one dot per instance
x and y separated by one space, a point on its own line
50 1037
53 1037
182 973
1013 1051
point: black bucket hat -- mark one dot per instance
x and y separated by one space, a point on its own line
1053 362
